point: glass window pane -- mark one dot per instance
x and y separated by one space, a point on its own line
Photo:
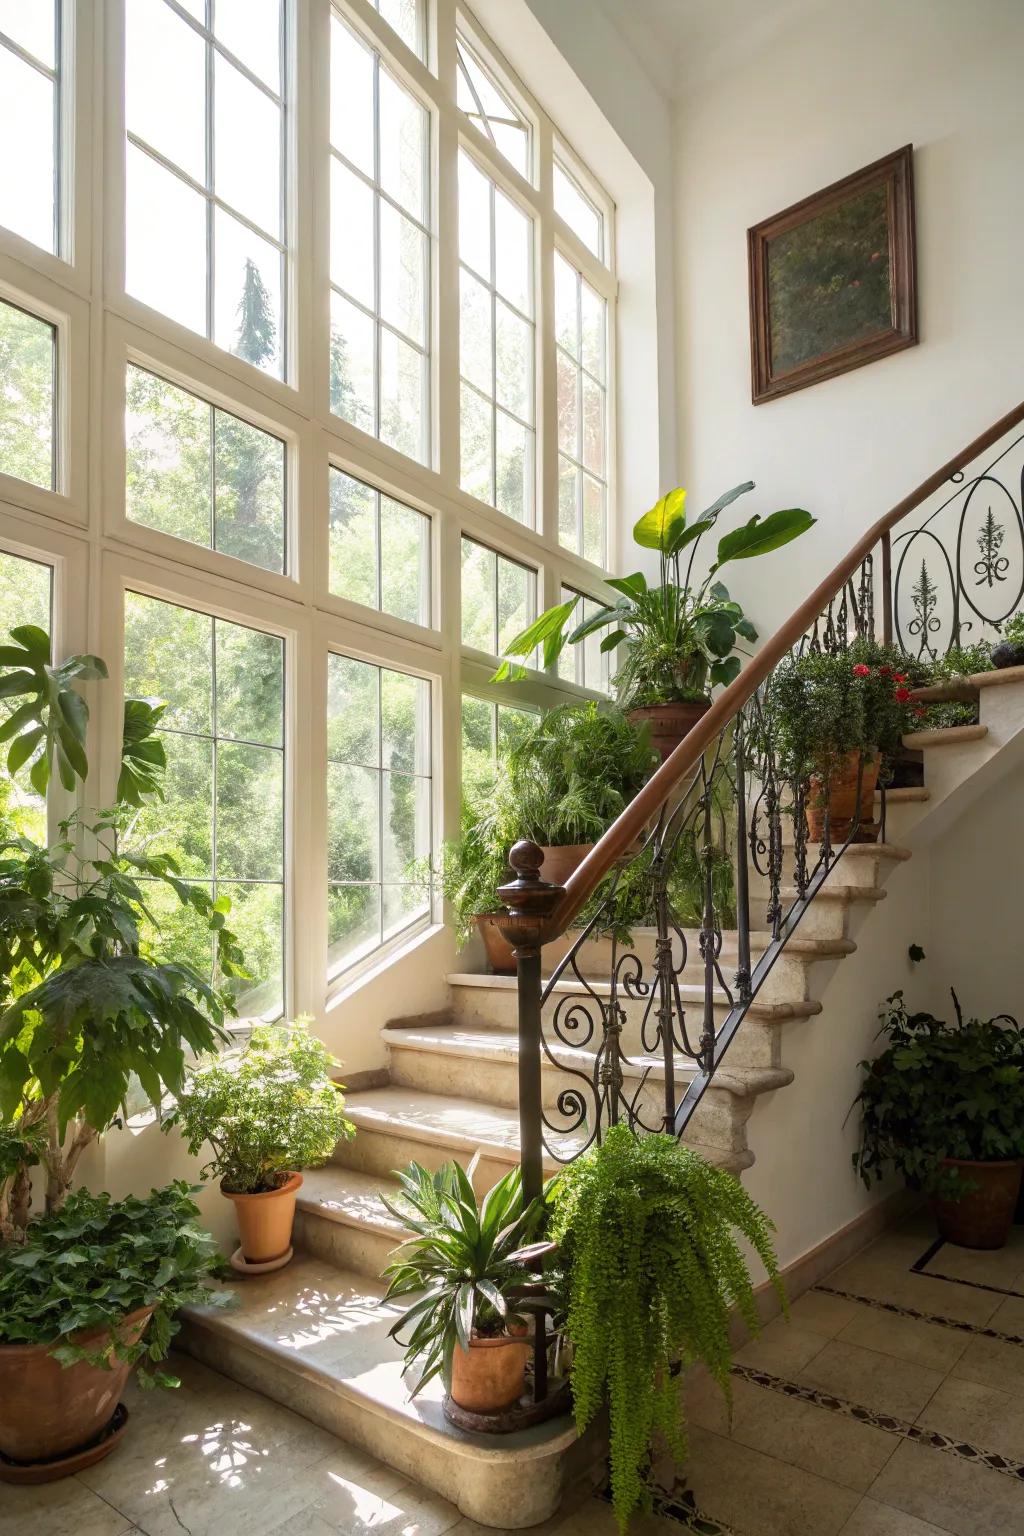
30 23
474 217
403 396
476 449
403 906
352 241
405 722
250 684
168 654
257 920
247 294
168 469
182 823
477 742
403 274
516 588
251 29
479 617
247 147
405 811
513 253
595 518
165 241
593 426
353 924
353 823
352 71
513 361
353 731
403 146
594 313
476 355
513 469
353 385
572 203
567 389
487 105
27 120
249 500
406 16
405 562
250 812
353 539
165 85
567 318
568 505
28 348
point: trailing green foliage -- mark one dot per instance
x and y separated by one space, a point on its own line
680 637
266 1109
939 1090
84 1268
463 1262
570 775
648 1238
958 663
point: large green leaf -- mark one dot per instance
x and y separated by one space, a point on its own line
552 621
658 527
759 537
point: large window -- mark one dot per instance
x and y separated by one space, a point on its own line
223 815
30 119
499 598
582 361
488 730
379 550
380 248
379 812
205 169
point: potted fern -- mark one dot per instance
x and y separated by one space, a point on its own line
267 1110
647 1232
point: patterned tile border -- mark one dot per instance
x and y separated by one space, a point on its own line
677 1503
893 1426
979 1330
919 1268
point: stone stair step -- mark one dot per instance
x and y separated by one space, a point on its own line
950 736
341 1219
314 1337
1000 677
910 794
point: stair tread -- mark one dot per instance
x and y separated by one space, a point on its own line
830 892
692 992
503 1044
1000 677
948 736
345 1195
327 1324
906 794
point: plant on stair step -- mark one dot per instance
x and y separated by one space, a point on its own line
465 1264
1010 650
959 663
267 1109
647 1232
943 1104
681 636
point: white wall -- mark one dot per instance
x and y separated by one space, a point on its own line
842 87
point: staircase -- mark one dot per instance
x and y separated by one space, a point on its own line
314 1335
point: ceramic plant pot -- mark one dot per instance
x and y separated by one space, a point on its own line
48 1411
669 723
500 955
265 1220
490 1375
842 788
982 1217
560 863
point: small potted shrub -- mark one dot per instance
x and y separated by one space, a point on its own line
1010 650
681 636
90 1292
651 1268
268 1110
567 779
944 1105
468 874
837 718
464 1263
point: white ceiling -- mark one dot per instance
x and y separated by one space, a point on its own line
682 42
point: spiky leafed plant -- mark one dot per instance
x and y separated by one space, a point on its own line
463 1257
652 1268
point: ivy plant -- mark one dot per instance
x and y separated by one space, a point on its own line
84 1268
648 1234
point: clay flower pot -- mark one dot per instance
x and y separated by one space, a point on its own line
47 1410
490 1375
669 722
265 1220
560 863
500 955
842 789
982 1217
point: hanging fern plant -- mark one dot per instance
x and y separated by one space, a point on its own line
648 1235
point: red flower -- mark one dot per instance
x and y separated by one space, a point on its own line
860 670
920 711
902 695
885 671
899 677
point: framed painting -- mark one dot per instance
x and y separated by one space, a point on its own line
832 279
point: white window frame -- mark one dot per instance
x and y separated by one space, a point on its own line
81 528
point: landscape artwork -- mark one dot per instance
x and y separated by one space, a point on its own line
832 280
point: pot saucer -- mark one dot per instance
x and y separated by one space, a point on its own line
244 1266
31 1472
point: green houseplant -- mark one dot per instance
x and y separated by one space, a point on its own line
944 1106
91 1292
681 635
267 1110
467 1267
88 1006
468 873
647 1232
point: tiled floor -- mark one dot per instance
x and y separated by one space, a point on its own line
892 1404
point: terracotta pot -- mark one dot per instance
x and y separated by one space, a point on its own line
983 1217
500 955
669 722
842 788
48 1410
490 1375
265 1220
560 863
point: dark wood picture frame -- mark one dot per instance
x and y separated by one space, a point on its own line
895 173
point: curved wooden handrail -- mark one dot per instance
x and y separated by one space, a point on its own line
624 832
